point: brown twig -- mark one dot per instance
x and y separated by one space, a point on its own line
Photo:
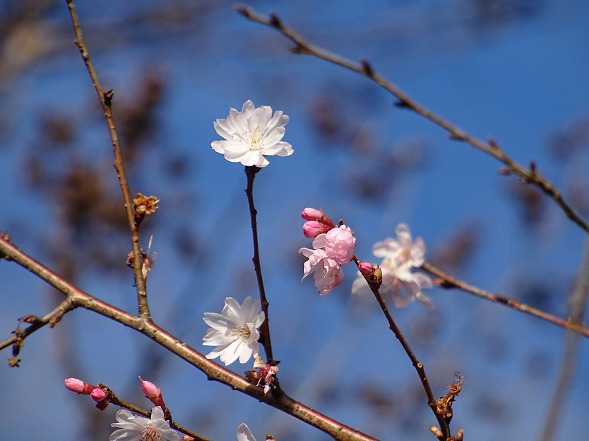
105 99
265 327
451 282
212 370
529 175
419 368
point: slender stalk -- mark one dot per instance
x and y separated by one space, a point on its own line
451 282
419 368
577 305
265 328
105 99
529 175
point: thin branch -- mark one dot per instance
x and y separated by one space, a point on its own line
576 309
117 401
105 99
451 282
265 327
419 368
212 370
529 175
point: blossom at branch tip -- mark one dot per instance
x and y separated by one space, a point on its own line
132 427
234 332
244 433
331 250
399 257
251 134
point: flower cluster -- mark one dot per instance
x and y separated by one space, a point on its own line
399 257
252 134
234 332
131 427
263 374
333 246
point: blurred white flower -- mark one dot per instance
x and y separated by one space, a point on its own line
244 433
399 257
234 331
252 134
137 428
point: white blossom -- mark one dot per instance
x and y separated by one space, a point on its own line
234 332
244 433
251 134
399 257
137 428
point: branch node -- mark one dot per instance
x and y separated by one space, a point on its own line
367 68
275 21
108 95
457 135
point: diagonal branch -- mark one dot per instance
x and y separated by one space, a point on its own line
105 99
450 282
529 175
419 367
212 370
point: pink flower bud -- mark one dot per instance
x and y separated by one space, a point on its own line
78 386
98 394
149 389
366 268
312 229
187 438
311 214
152 392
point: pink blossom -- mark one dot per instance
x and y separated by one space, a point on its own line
312 229
78 386
338 244
327 272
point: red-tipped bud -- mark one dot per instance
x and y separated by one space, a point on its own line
78 386
366 268
311 214
152 392
312 229
98 394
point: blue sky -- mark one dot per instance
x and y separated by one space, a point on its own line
518 80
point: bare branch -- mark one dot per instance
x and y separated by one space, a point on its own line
450 282
529 175
105 99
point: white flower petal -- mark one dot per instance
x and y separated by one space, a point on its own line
251 134
244 433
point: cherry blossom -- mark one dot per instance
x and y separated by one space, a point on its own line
399 257
132 427
251 134
331 250
234 332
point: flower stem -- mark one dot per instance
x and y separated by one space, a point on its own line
265 328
